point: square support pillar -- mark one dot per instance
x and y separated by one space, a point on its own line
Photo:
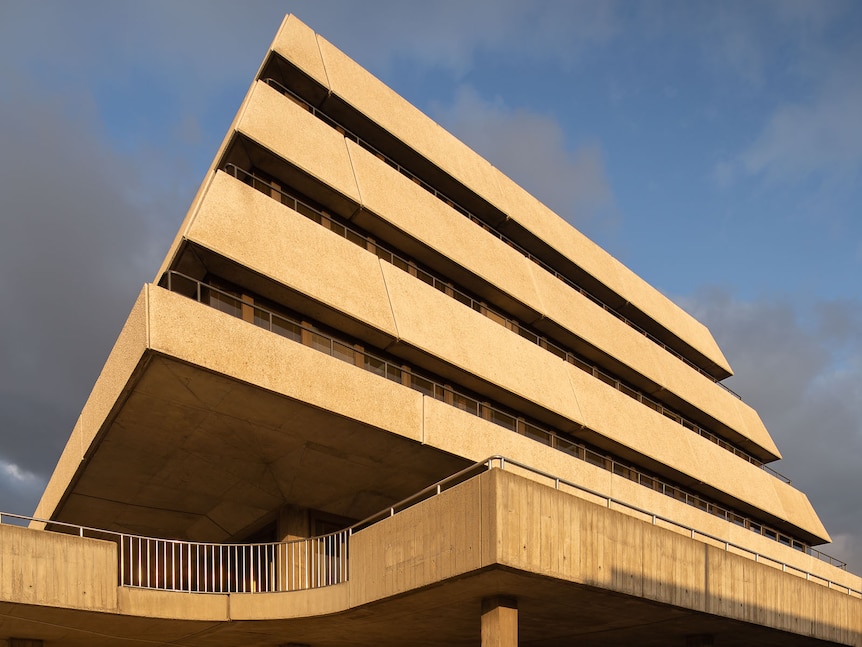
292 523
499 622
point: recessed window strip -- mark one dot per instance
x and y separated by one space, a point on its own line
361 239
491 230
312 336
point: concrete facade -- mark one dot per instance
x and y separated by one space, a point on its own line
357 307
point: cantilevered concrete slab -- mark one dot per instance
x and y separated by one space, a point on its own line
579 572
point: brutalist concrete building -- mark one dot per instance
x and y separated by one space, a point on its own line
378 394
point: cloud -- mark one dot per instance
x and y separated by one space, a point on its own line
800 367
810 67
448 34
78 240
531 149
17 484
822 135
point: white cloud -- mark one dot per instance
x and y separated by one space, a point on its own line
17 475
807 55
531 149
19 488
823 135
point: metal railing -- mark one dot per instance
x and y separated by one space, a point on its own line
199 567
196 567
491 230
170 565
360 239
400 373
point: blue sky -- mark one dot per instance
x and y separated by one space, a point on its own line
714 148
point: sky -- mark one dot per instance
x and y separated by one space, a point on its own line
713 148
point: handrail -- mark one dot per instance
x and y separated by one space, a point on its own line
427 385
177 565
491 230
208 567
502 460
426 493
447 287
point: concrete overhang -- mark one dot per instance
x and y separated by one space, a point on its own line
187 436
591 577
203 426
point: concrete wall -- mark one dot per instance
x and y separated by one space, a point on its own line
384 193
356 86
501 518
597 547
202 336
42 568
498 519
474 438
438 539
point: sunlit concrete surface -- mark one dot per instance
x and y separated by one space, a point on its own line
357 307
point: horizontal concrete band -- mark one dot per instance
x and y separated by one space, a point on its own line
382 193
351 280
200 336
345 79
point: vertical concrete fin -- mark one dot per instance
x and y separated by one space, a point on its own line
380 263
361 206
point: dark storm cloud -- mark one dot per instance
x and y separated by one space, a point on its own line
89 200
800 367
72 257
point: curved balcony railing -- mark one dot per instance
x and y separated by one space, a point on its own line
200 567
146 562
196 567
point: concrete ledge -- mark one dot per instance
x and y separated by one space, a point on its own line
367 94
174 605
497 531
297 43
499 518
359 88
298 137
292 604
204 337
474 438
323 265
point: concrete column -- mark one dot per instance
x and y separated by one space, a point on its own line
499 622
292 523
